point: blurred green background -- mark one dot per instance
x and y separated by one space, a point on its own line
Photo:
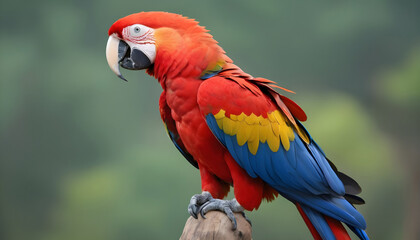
83 155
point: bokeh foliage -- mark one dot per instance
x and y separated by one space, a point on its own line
85 156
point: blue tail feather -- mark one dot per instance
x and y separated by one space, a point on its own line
318 221
359 232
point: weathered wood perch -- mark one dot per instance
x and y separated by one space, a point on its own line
216 226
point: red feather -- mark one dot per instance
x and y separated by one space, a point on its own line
337 228
311 227
294 108
184 52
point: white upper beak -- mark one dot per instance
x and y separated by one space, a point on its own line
112 54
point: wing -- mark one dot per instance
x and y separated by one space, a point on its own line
170 126
263 140
259 129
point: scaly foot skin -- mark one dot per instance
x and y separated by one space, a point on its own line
204 202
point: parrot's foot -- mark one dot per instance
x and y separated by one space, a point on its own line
204 202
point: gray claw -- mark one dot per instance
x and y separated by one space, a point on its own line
192 210
232 218
200 210
196 202
203 203
226 206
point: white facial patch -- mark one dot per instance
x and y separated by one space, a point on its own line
148 49
140 37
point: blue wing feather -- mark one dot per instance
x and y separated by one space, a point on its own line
301 173
261 163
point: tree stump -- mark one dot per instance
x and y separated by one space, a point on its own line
216 226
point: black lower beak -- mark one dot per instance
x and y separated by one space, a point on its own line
132 59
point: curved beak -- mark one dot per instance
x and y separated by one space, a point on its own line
119 53
112 55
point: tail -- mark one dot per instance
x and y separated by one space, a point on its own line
325 228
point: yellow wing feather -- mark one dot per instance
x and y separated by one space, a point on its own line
243 133
275 129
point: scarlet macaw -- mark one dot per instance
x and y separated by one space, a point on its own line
235 128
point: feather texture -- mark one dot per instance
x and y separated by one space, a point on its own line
239 131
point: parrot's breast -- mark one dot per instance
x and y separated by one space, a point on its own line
181 97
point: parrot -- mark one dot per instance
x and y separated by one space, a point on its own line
236 129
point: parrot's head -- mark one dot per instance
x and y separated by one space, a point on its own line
165 44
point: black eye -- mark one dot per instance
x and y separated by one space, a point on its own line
136 29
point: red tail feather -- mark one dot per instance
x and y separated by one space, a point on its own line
337 228
311 227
